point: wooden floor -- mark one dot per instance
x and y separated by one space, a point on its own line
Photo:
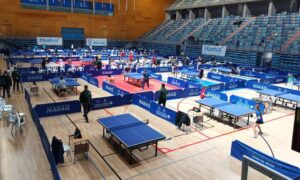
195 154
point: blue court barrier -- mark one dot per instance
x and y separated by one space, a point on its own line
84 76
106 102
216 95
29 77
93 81
256 86
216 87
142 102
190 84
282 89
55 109
249 74
239 149
234 85
113 89
127 99
148 95
216 77
247 103
108 87
88 78
176 82
106 72
156 76
267 81
280 80
43 137
172 94
149 70
163 112
89 68
118 91
163 69
191 92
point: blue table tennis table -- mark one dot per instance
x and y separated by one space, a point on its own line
284 97
70 83
134 78
189 75
130 133
226 109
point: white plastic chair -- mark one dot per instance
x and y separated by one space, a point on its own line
22 117
13 119
5 107
67 150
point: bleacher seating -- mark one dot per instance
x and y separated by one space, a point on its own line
279 33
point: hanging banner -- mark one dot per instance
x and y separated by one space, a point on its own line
96 42
49 41
214 50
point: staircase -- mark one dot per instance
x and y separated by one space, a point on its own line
178 29
195 30
290 41
157 30
230 36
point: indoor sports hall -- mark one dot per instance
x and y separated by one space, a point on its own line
148 89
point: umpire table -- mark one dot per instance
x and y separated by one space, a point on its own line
129 133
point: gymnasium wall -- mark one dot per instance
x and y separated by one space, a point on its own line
16 21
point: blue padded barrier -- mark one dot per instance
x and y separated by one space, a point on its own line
239 149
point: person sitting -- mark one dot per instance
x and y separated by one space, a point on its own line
62 87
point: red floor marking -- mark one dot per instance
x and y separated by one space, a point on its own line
155 85
126 107
195 130
221 135
108 112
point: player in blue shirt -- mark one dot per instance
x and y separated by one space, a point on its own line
259 120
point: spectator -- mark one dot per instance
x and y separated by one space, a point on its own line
16 79
6 84
145 78
86 101
163 95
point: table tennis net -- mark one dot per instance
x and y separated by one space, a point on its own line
129 125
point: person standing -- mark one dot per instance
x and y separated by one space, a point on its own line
99 64
291 80
145 79
201 73
259 120
62 87
16 79
202 93
6 84
86 101
163 93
